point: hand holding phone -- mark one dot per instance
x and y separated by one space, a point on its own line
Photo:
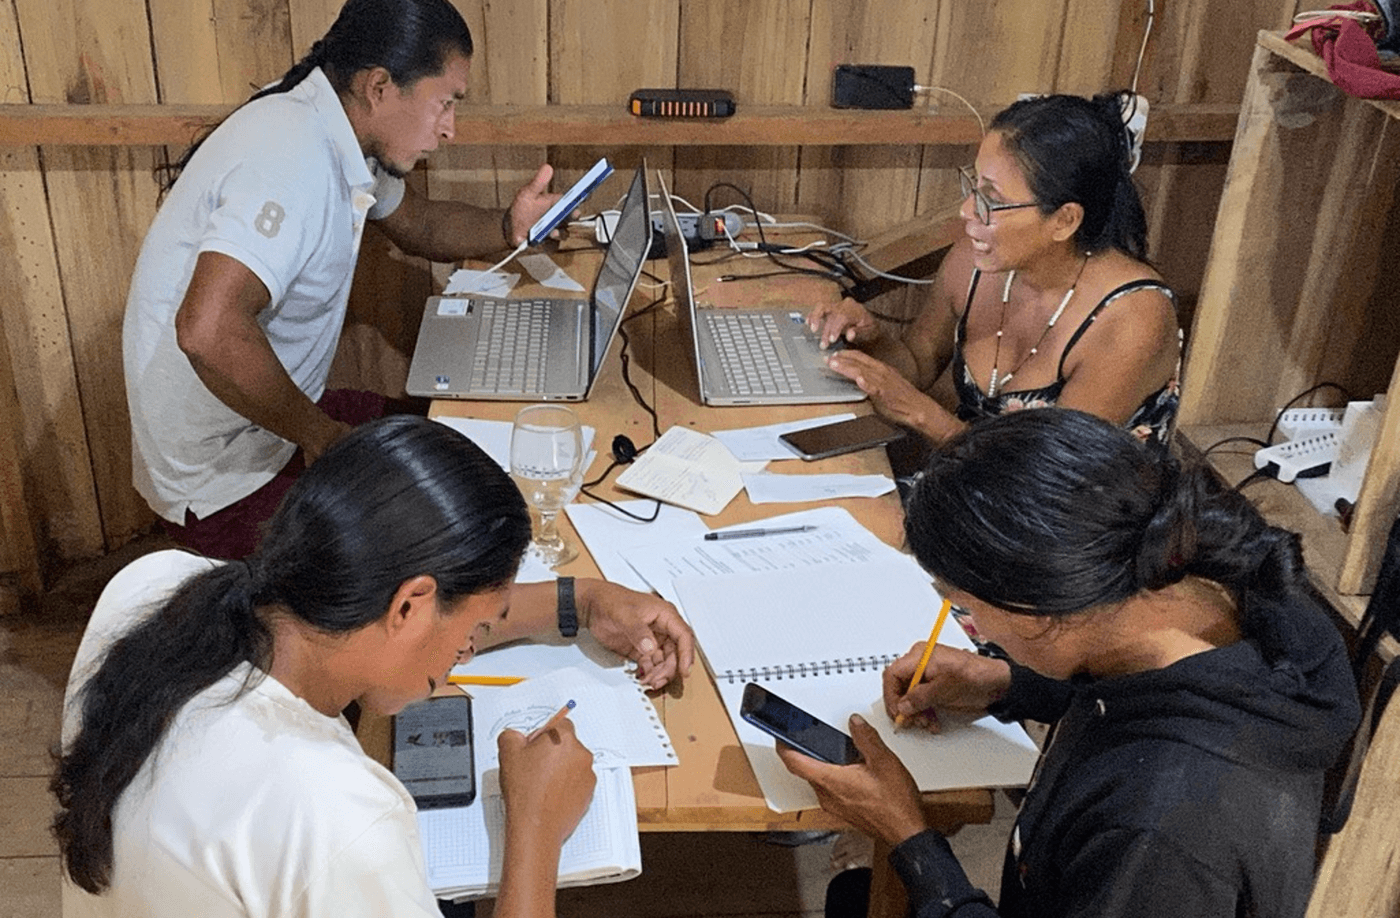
786 721
569 202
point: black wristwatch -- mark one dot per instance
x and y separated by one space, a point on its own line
568 612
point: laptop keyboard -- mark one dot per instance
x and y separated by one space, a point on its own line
515 333
753 356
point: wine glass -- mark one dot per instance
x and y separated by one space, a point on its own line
546 461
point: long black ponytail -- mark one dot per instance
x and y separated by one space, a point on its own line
397 498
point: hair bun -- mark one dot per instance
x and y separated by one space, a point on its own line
1169 542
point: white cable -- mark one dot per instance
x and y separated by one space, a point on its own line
894 277
500 264
981 125
1142 50
818 227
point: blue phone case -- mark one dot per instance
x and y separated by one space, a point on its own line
569 202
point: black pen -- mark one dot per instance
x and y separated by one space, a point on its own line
749 533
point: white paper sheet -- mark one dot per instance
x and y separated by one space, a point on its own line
486 283
607 534
754 443
686 468
774 488
548 273
465 846
612 717
538 656
820 637
494 437
837 539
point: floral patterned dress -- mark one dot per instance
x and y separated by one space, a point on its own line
1151 422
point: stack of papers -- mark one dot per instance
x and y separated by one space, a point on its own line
704 473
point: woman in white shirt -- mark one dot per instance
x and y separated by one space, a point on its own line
207 769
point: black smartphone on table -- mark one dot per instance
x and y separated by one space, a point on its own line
842 437
786 721
433 754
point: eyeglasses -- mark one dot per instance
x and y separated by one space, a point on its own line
980 202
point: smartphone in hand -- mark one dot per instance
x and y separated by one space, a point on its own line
786 721
569 202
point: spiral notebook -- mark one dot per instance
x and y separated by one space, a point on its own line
464 846
820 638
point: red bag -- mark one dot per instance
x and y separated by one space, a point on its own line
1349 49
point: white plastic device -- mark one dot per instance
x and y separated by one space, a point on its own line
1299 457
1300 422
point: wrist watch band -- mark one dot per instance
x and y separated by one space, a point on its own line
507 224
568 612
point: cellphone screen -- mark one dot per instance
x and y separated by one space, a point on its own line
797 728
433 751
842 437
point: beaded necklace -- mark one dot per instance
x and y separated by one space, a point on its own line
996 382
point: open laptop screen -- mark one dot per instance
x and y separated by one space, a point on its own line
621 267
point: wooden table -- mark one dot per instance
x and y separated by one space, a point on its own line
713 787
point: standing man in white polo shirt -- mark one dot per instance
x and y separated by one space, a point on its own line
239 295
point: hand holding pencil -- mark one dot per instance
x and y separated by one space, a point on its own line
553 721
547 778
938 677
928 652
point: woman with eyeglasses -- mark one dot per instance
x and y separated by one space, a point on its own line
1047 300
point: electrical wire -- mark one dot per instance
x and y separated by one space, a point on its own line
1142 50
626 361
1273 428
981 125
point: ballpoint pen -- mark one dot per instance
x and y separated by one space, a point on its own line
750 533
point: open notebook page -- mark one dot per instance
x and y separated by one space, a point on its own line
820 637
464 846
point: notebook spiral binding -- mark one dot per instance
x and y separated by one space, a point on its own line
807 670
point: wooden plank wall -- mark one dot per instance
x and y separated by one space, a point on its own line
72 219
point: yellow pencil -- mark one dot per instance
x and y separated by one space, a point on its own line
928 652
553 720
469 679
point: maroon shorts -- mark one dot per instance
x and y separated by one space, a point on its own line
234 531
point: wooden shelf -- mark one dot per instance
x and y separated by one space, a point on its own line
593 125
1297 293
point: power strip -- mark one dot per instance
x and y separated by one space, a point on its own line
1304 458
699 230
1296 422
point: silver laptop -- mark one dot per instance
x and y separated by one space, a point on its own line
533 350
759 356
